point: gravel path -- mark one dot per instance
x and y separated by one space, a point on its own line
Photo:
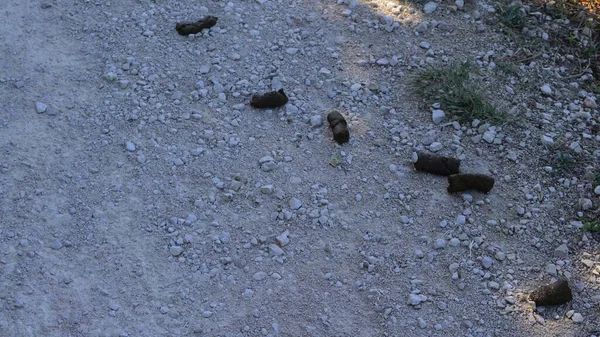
143 196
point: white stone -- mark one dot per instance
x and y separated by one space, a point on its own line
130 146
438 116
489 136
40 107
460 4
577 318
291 51
383 62
547 140
435 146
546 90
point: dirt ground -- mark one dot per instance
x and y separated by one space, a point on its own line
142 196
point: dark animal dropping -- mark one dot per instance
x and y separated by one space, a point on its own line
556 293
187 28
339 127
466 181
272 99
431 163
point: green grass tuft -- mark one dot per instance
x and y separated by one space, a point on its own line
591 226
512 17
451 87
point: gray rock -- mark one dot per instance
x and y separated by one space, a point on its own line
489 136
547 141
422 27
274 250
577 318
590 102
430 7
487 262
259 275
460 4
176 250
316 121
435 146
291 51
295 203
283 239
205 69
414 299
51 111
561 251
56 245
439 244
500 256
266 189
585 204
551 269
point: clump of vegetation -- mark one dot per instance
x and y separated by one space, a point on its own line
565 161
336 160
512 16
591 226
451 86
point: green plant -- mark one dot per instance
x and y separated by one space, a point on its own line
451 87
565 161
336 160
512 16
591 226
506 67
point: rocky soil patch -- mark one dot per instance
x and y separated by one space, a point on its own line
142 195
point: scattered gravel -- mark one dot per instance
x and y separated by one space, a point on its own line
156 201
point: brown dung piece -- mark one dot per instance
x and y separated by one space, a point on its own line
556 293
431 163
467 181
339 127
272 99
187 28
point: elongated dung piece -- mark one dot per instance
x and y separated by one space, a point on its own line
431 163
556 293
187 28
271 99
467 181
